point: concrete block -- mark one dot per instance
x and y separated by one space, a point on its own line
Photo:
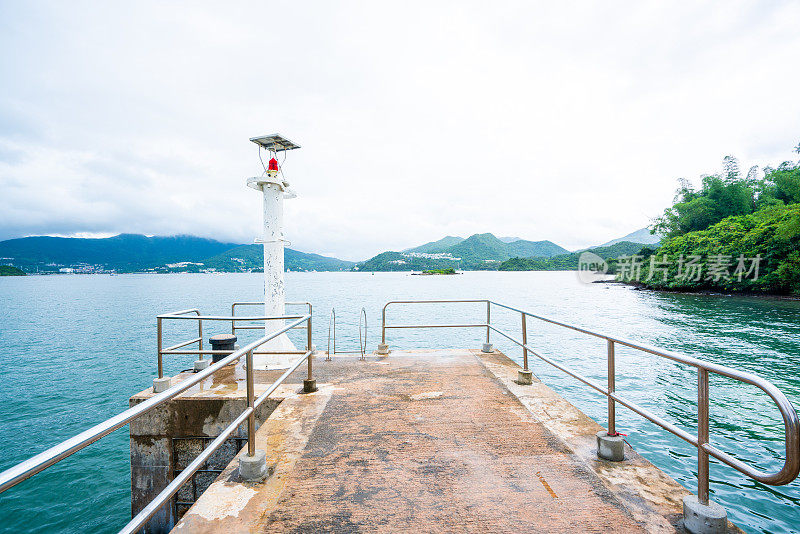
383 348
161 385
199 365
487 347
610 447
309 386
704 519
253 467
525 377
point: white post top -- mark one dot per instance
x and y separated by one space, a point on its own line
258 183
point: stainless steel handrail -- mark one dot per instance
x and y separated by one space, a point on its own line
791 465
234 328
184 314
24 470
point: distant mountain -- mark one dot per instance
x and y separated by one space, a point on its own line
247 257
437 246
133 252
509 239
478 251
529 249
124 251
642 236
569 262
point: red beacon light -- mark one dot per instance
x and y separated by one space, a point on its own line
272 168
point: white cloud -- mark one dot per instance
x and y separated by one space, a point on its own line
417 120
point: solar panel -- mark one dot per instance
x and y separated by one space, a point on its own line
274 142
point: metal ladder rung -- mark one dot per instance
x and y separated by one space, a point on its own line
362 340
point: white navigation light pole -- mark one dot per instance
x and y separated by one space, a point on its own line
274 189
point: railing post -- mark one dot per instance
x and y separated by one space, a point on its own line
525 375
611 444
488 319
158 336
699 514
253 465
612 384
487 346
233 321
702 436
383 348
200 363
251 419
161 383
524 342
200 335
309 384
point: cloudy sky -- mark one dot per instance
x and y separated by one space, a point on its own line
417 120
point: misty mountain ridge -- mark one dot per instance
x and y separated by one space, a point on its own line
135 252
478 251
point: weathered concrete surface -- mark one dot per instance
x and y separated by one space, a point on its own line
435 441
650 495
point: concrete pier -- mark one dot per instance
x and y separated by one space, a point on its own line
424 441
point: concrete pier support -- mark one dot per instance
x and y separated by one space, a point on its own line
165 440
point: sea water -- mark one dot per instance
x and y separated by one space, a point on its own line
73 348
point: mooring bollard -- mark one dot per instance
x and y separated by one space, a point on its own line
226 342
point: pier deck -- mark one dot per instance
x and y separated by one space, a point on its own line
434 441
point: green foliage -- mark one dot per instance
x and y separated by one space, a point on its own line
8 270
569 262
728 194
772 232
733 218
439 271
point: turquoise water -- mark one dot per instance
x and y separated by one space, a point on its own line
74 348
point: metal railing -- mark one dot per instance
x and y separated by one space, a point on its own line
362 337
791 464
200 352
235 327
24 470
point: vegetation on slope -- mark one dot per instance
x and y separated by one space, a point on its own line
477 252
251 257
8 270
744 229
569 262
124 252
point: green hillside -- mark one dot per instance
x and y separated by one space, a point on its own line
437 246
477 252
569 262
741 231
528 249
131 253
7 270
251 257
123 252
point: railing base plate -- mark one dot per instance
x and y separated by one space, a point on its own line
704 519
611 448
